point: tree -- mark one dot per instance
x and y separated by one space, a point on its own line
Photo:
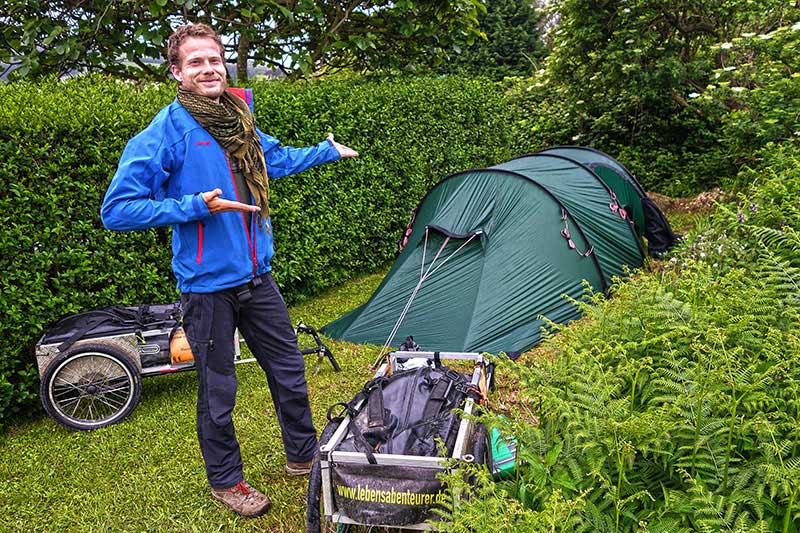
513 44
624 67
298 37
42 37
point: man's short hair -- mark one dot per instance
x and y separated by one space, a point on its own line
190 30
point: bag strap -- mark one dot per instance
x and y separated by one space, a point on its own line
375 408
89 325
438 397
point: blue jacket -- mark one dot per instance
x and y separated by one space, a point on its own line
158 182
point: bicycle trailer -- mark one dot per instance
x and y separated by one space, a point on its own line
378 463
91 363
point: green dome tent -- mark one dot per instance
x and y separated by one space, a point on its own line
493 250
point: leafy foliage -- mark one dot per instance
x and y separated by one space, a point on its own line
299 38
625 78
755 92
512 45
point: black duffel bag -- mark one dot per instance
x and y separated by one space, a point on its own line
116 320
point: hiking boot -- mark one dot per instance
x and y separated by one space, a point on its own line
299 469
243 499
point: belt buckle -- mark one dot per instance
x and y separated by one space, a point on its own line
243 291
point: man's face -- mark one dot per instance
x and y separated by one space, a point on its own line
202 69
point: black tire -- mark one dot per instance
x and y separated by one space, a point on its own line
313 520
479 446
94 384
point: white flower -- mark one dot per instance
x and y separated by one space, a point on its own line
737 89
726 46
579 102
629 41
576 137
765 36
796 26
626 10
728 69
694 95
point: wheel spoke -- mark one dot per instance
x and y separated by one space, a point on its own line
78 403
69 402
120 394
105 401
60 392
68 383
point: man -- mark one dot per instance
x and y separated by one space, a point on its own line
202 167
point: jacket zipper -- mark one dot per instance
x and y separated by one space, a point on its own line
199 242
250 235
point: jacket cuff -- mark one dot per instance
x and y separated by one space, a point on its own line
332 154
199 206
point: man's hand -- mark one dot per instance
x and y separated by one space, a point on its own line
343 150
216 204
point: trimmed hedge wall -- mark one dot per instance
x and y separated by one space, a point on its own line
60 143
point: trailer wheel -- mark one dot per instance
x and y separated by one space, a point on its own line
479 448
313 496
93 384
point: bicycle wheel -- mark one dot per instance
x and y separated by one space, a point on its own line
92 385
313 495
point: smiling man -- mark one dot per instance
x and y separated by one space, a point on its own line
202 167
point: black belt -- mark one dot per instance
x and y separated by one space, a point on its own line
243 291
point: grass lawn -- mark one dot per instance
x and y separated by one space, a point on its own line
146 473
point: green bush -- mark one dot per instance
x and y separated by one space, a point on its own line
683 104
60 142
347 217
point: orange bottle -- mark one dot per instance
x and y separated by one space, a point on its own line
179 349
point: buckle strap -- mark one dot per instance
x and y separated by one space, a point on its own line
243 291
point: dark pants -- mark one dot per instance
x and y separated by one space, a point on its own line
261 316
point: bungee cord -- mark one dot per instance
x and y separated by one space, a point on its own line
423 276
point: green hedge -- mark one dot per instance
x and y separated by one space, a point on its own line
60 142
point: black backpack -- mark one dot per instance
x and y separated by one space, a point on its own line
407 413
660 238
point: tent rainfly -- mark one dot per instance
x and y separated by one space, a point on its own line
491 251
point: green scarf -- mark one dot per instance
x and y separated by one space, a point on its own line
233 126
